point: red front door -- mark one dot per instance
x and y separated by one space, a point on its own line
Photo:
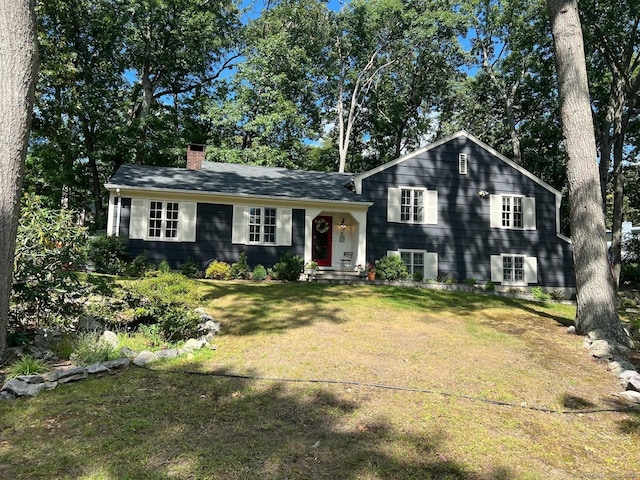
321 240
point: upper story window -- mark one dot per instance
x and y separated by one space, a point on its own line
412 205
163 220
512 212
515 212
462 163
261 225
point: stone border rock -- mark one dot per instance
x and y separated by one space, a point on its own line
31 385
616 355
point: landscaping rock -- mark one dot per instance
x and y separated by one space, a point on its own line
73 374
601 349
30 378
97 368
170 353
127 352
88 323
633 383
110 338
144 358
571 330
194 344
117 363
21 388
631 395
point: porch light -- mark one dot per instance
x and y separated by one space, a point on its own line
483 193
343 225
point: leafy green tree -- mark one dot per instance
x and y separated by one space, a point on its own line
50 247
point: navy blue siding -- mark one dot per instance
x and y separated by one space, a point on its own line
463 237
213 240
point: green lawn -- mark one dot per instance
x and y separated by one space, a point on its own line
488 388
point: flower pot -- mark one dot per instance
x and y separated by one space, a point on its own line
371 276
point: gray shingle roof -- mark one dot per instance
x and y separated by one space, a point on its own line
235 179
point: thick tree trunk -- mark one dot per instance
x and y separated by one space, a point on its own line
18 74
596 297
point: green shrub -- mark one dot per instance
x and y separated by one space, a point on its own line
240 269
218 270
470 281
391 268
164 267
539 294
259 273
190 269
138 266
168 300
152 334
91 348
289 267
448 279
417 276
489 286
49 246
108 254
27 365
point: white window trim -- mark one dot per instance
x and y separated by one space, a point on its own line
240 225
139 220
463 163
530 270
394 206
430 261
528 211
263 217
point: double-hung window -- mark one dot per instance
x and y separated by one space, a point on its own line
512 212
514 269
412 205
418 261
414 261
253 225
515 212
262 225
163 220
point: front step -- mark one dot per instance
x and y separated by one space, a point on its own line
338 276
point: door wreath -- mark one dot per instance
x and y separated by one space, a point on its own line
322 226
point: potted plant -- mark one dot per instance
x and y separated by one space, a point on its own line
371 271
310 269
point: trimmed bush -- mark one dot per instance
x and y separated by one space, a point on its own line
391 268
190 269
289 267
259 273
240 269
108 254
218 270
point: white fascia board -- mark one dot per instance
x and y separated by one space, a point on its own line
237 199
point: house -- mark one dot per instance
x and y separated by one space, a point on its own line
456 207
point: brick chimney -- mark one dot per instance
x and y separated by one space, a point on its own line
195 156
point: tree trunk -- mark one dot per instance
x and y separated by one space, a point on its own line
18 75
596 309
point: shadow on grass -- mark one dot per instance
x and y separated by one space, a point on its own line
275 307
151 424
